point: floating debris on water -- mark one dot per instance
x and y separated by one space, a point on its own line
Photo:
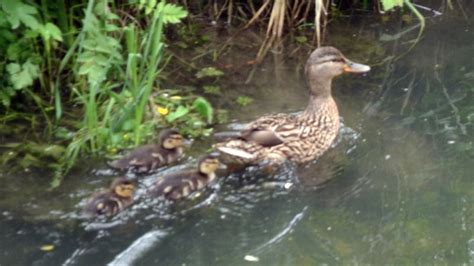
251 258
47 248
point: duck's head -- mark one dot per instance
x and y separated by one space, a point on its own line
123 187
171 139
324 64
208 164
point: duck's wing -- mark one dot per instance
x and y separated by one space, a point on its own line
272 130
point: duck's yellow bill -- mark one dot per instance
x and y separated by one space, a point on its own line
354 67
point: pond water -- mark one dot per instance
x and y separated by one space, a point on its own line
400 183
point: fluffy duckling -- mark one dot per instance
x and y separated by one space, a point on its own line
112 201
180 184
150 157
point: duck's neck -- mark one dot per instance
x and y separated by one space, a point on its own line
319 95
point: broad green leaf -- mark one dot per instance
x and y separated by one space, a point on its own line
171 13
111 27
389 4
51 31
204 108
180 111
128 125
209 72
7 34
5 98
22 77
17 12
13 68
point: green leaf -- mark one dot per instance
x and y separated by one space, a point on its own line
14 51
22 77
222 116
216 90
13 68
244 100
204 108
17 12
49 31
301 39
180 111
29 161
128 125
171 13
209 72
150 5
5 97
390 4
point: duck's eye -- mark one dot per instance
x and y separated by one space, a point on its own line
337 60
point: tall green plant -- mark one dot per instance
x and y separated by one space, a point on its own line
26 47
125 92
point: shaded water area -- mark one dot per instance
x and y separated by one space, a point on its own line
400 186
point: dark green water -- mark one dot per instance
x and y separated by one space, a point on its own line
401 174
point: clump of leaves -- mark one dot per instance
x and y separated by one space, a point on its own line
192 114
244 100
25 48
216 90
209 72
31 154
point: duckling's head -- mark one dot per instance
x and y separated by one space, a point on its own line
101 205
324 64
123 187
208 164
171 139
107 207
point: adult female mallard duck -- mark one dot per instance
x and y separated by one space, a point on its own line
150 157
112 201
298 138
180 184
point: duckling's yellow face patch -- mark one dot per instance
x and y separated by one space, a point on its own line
173 141
209 166
125 190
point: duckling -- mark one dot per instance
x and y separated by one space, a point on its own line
169 149
180 184
298 138
111 202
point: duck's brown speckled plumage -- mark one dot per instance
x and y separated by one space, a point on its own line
298 138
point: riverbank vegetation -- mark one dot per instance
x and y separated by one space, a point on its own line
87 76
